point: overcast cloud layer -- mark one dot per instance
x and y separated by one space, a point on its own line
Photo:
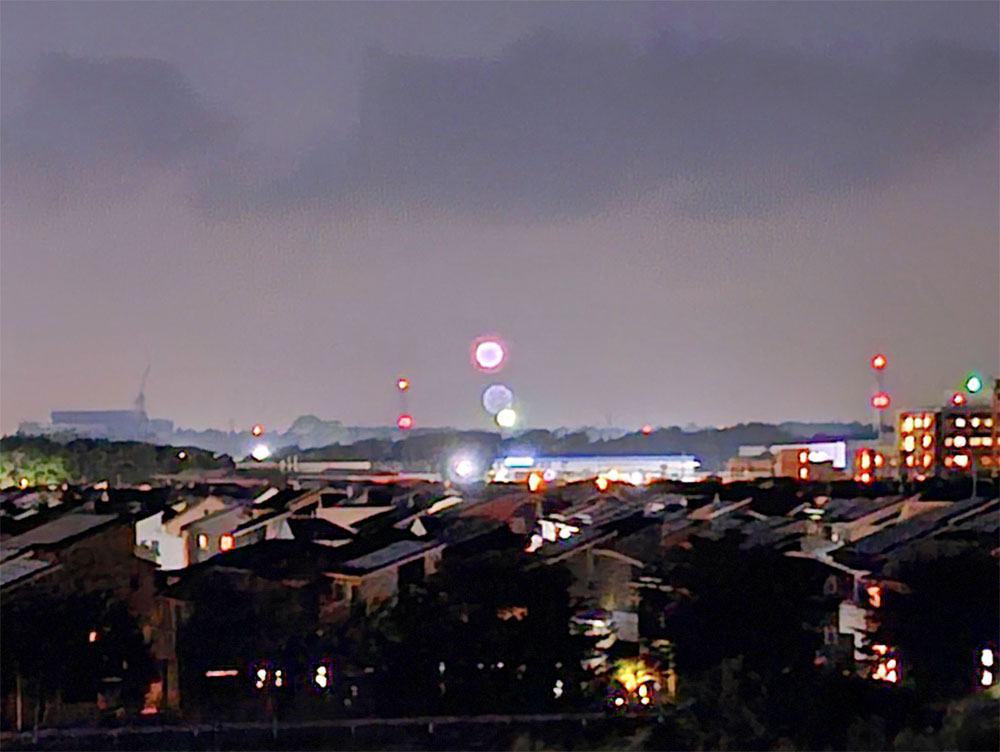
673 213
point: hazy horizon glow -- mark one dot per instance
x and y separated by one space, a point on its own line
670 212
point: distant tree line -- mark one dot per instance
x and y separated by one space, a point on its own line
39 461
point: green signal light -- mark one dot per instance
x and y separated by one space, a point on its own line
973 383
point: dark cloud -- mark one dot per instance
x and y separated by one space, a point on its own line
554 127
119 117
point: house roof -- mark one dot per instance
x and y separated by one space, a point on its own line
59 531
14 570
386 555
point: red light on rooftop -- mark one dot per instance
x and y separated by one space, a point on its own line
880 401
404 422
878 361
958 399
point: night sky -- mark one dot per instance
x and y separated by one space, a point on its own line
672 213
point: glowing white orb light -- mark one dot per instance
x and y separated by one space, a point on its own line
465 468
506 418
496 397
488 354
260 452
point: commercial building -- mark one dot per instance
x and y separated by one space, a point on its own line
637 469
951 440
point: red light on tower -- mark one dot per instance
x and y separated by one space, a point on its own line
402 384
958 399
878 361
880 401
257 429
404 422
647 429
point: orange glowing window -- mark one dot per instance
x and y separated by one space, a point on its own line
226 542
803 473
927 440
874 595
928 459
909 461
879 460
803 456
962 460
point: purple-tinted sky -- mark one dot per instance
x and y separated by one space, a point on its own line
672 212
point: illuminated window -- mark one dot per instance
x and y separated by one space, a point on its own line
909 461
927 440
962 460
879 459
874 595
947 442
948 461
92 636
959 422
803 473
866 460
974 422
907 424
987 441
960 441
226 542
928 459
988 422
202 541
909 444
975 441
803 456
986 460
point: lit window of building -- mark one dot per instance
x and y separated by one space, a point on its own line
226 542
974 422
909 444
947 441
928 459
960 441
907 424
962 460
927 440
959 422
202 541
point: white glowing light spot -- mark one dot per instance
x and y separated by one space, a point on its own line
261 452
506 418
986 657
465 468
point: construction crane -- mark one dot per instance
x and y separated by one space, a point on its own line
140 400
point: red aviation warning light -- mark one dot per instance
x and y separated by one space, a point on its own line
402 384
404 422
257 429
646 429
957 399
880 400
878 361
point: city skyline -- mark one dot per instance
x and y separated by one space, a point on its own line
671 213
